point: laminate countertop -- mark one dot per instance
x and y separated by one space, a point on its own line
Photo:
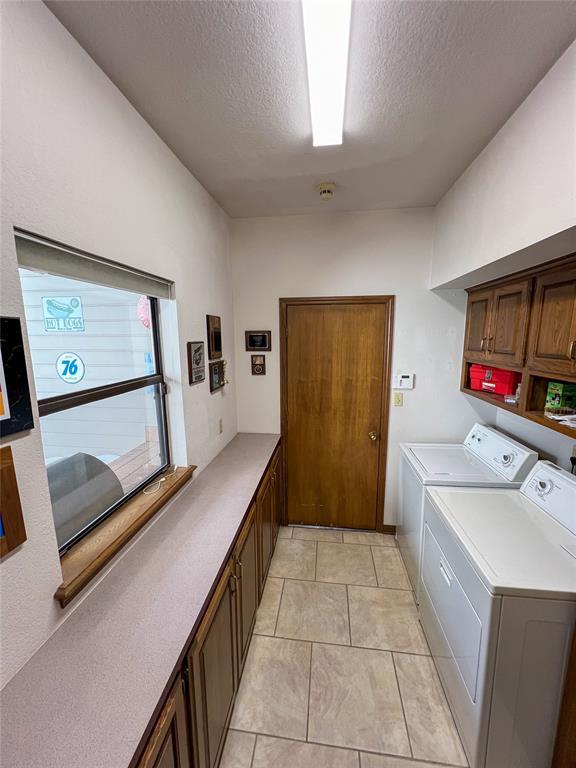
85 698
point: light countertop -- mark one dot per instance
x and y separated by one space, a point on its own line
85 698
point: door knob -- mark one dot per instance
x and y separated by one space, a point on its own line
373 436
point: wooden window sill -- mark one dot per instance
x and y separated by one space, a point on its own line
84 560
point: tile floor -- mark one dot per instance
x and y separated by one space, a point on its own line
339 673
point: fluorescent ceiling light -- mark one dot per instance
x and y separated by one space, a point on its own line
327 37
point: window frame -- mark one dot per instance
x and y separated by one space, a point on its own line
66 401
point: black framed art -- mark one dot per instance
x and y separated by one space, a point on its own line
15 407
258 341
214 328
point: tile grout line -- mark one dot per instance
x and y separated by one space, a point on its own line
349 619
316 561
402 705
343 583
363 750
253 751
309 692
344 645
279 606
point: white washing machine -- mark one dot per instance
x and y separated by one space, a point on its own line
498 607
485 458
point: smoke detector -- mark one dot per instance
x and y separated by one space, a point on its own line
326 190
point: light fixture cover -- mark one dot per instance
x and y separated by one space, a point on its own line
327 38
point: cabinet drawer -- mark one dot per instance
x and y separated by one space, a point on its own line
460 622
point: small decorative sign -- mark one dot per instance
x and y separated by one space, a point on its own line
258 341
63 314
70 367
217 377
258 365
196 365
214 329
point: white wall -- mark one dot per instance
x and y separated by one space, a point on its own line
346 254
81 166
520 190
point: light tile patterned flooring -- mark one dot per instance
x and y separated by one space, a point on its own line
339 673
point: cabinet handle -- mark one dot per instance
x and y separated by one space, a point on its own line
491 344
483 343
573 350
233 580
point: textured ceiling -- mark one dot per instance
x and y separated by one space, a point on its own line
224 84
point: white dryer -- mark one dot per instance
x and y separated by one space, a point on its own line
485 458
498 607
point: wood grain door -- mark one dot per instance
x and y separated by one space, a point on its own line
213 669
246 562
167 746
335 409
552 342
509 323
477 324
265 506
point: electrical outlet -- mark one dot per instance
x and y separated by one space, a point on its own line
220 426
399 399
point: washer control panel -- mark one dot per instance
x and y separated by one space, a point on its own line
553 490
510 459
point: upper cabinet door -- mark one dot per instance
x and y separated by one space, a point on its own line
508 327
477 324
552 344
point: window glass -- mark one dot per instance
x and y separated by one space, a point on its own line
84 335
98 453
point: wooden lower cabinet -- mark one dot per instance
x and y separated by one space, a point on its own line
191 730
168 744
246 565
213 672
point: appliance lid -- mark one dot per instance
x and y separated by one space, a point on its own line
445 464
501 453
515 547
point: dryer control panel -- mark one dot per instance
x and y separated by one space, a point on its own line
553 490
505 456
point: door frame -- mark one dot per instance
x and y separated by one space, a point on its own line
388 302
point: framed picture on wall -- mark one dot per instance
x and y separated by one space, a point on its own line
196 364
258 341
12 530
214 328
217 376
15 407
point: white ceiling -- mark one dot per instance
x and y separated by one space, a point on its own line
224 84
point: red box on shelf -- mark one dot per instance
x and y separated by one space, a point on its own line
494 380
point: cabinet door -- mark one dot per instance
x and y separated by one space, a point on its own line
509 323
246 561
168 743
265 502
276 496
477 324
552 344
213 670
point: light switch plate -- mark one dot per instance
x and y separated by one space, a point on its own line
398 398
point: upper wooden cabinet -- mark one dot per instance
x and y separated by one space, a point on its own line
497 324
552 343
477 324
213 671
167 746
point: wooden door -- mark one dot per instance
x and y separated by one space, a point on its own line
265 506
552 343
335 409
509 324
477 324
213 670
246 563
167 746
